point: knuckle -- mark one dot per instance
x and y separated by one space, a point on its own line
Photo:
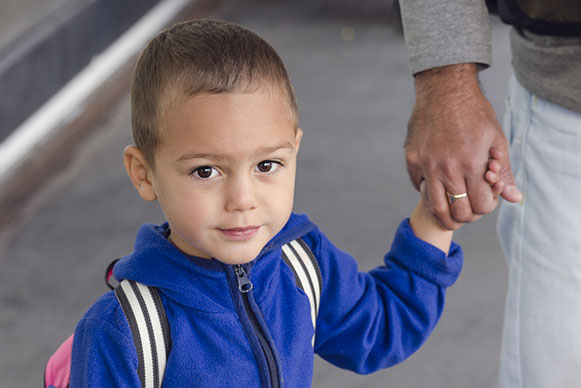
412 157
461 214
434 167
451 168
448 168
474 167
440 212
485 207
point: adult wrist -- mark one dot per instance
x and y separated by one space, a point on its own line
452 80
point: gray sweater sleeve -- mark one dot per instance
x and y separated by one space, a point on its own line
445 32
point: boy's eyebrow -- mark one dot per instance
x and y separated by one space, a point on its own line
283 145
197 155
264 150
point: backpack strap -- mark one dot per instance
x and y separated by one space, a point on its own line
150 329
302 261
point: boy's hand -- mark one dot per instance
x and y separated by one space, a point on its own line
426 227
492 175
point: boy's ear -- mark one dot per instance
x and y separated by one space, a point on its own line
139 172
298 138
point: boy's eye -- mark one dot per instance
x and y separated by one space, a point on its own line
205 172
267 166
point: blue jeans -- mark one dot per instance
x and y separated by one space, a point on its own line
541 239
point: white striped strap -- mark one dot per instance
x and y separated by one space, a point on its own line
150 329
301 260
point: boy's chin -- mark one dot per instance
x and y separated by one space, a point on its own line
237 261
240 257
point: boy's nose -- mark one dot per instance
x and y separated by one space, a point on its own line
240 195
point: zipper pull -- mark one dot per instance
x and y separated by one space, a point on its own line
244 284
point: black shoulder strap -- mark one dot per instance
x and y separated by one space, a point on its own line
150 329
302 261
542 17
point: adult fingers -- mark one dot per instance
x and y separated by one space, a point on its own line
460 200
440 206
483 199
464 194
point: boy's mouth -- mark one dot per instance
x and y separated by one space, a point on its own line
240 234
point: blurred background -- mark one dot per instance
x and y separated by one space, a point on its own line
67 208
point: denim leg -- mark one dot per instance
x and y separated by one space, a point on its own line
541 240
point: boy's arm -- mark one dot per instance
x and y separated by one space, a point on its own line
426 227
372 320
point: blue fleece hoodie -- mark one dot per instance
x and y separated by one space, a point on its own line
366 321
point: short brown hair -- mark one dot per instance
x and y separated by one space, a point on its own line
199 56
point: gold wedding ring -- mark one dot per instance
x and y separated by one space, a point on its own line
454 197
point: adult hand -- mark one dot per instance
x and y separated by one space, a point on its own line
451 133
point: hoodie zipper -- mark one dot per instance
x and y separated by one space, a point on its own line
245 286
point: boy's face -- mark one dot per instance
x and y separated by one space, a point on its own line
225 172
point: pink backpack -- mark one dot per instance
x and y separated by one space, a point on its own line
58 368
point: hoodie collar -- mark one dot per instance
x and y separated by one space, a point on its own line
193 281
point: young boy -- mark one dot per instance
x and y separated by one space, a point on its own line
216 130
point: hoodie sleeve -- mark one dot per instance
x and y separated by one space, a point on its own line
103 351
369 321
446 32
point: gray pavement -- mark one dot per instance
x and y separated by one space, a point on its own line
355 98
